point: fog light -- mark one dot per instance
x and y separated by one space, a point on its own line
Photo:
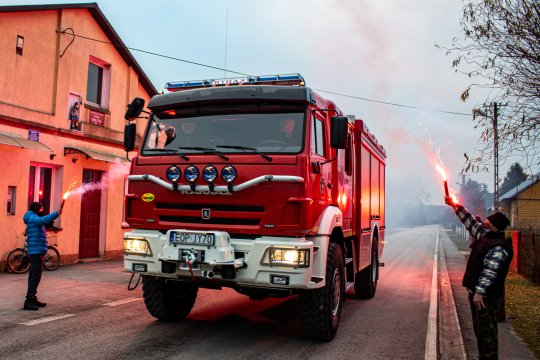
210 173
173 173
191 173
286 257
228 174
136 246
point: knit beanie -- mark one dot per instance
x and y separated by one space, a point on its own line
35 207
499 220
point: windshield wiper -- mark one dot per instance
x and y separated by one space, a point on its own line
206 150
246 148
169 151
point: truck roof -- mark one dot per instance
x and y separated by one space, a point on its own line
227 93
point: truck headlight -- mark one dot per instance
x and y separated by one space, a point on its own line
136 246
286 257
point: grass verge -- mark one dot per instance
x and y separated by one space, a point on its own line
523 309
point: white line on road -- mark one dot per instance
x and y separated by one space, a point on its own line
431 337
46 319
120 302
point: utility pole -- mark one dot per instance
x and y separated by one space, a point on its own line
495 157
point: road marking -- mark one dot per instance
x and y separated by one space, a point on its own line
46 319
120 302
431 337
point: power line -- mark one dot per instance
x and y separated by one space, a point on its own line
394 104
241 73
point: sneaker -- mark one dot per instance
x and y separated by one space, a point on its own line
38 303
29 305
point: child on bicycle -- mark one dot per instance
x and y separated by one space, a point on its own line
36 239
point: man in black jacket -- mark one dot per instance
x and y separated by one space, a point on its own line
485 274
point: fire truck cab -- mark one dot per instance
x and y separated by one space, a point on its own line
258 184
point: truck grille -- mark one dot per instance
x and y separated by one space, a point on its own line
221 214
217 221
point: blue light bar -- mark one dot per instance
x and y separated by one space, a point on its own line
284 80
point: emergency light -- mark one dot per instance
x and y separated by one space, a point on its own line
286 80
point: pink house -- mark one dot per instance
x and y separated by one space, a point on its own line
65 81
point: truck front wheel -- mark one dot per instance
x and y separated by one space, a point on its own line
321 308
168 300
365 281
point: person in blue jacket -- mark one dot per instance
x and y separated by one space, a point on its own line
36 239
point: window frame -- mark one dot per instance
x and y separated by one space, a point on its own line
103 84
36 183
318 136
11 200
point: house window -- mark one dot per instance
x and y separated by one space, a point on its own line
11 197
317 137
20 45
98 86
40 185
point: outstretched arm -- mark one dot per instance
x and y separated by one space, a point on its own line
474 227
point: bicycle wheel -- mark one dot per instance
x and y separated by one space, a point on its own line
52 259
18 261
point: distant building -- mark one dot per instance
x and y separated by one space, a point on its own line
65 81
522 204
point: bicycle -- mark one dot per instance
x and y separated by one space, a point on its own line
18 261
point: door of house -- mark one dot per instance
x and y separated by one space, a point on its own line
90 213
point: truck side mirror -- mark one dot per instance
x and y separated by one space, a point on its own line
134 109
129 137
338 132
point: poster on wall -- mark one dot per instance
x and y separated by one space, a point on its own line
74 109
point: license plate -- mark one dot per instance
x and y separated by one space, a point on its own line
139 267
192 238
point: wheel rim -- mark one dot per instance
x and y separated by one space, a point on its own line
336 293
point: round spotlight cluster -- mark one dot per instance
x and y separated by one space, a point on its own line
228 174
191 173
174 173
210 173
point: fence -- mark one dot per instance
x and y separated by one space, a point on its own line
526 260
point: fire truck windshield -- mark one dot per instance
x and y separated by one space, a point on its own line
227 129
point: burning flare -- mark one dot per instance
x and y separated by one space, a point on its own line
64 197
443 174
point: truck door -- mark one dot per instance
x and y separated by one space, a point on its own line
320 177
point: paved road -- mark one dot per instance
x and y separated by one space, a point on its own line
92 315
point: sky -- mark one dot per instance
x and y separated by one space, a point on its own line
383 50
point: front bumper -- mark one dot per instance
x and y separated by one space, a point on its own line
241 257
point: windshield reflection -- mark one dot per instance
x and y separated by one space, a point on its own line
229 133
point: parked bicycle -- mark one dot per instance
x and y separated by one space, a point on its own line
18 261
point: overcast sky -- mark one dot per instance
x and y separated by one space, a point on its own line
380 49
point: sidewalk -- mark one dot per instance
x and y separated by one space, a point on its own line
510 346
103 281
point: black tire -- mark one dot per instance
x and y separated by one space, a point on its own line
365 281
18 261
167 299
52 259
321 308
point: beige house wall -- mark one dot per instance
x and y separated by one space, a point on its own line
34 95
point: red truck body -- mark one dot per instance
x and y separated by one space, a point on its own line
301 217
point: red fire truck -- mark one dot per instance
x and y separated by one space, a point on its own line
257 184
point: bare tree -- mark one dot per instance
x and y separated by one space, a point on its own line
500 51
